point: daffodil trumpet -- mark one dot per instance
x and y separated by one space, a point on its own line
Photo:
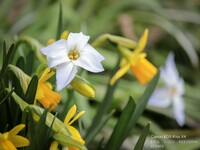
45 95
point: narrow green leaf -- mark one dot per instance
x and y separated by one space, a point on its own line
30 62
34 44
98 127
121 125
141 105
23 78
22 104
58 126
20 63
68 140
9 94
59 29
140 143
7 60
62 135
4 52
40 137
32 89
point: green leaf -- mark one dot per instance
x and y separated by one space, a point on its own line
34 44
9 94
40 138
62 135
140 143
59 29
102 110
7 59
121 125
140 106
22 104
68 140
4 52
29 62
32 89
99 126
21 63
23 78
58 126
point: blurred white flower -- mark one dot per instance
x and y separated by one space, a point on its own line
172 92
68 54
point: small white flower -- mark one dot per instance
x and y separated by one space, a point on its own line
172 92
70 54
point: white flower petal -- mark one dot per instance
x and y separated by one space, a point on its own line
160 98
57 58
178 107
60 45
94 52
65 74
169 73
180 87
89 62
77 41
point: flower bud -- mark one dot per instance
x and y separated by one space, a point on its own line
83 87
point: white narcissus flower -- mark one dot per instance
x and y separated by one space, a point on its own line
172 92
70 54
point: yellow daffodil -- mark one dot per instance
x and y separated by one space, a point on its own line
45 95
10 140
74 132
136 62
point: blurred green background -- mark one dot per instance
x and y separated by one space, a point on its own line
173 25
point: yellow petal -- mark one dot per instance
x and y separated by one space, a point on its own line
40 92
142 42
119 73
50 99
76 117
51 41
16 129
19 141
46 75
75 134
144 71
137 58
48 84
6 145
123 62
64 35
54 145
70 114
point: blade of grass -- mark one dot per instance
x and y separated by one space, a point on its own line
140 143
32 89
121 125
141 105
59 29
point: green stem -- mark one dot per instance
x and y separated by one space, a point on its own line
103 109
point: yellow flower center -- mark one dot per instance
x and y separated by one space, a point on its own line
73 54
173 91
